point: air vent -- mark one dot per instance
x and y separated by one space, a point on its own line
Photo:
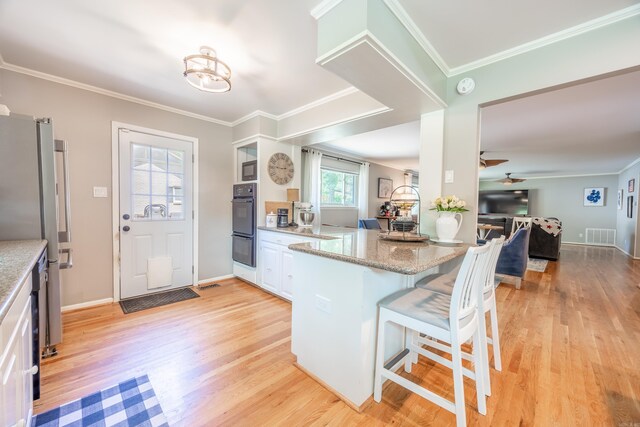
600 236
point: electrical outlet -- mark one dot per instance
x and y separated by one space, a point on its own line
323 304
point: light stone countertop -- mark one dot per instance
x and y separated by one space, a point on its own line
364 247
17 258
326 232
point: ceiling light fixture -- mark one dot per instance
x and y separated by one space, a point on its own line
206 72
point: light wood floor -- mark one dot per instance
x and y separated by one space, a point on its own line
570 350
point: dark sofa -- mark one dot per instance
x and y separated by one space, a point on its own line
541 244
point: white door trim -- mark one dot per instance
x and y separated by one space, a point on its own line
115 196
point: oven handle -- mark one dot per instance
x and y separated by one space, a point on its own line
242 201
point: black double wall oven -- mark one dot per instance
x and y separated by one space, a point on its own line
244 224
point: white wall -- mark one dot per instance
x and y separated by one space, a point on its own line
84 119
627 238
562 198
378 171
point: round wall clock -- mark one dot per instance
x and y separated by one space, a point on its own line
280 168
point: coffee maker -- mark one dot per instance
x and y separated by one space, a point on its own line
283 217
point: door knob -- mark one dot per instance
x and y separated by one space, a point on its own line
125 216
126 228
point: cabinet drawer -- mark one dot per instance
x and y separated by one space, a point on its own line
10 321
281 238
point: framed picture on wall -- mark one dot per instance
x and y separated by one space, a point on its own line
620 199
593 196
385 187
629 206
632 186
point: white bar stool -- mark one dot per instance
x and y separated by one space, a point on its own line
452 319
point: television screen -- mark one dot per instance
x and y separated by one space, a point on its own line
506 202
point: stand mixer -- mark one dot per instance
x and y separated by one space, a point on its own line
306 216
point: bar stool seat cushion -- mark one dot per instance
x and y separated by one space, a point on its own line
422 304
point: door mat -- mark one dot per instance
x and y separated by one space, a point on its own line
539 265
130 403
156 300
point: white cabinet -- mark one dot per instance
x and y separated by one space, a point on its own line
275 262
16 382
270 266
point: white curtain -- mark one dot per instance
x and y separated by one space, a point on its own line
312 177
363 191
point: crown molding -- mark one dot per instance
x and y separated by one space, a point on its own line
257 113
404 18
635 162
318 102
253 137
323 7
337 122
556 176
585 27
112 94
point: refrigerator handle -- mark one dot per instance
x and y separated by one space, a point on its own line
61 147
69 263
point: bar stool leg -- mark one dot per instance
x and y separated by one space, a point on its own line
495 338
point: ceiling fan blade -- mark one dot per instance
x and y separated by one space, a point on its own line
518 180
503 180
489 163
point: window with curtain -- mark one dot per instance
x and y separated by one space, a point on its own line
338 188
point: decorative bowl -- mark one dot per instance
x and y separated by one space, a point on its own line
403 226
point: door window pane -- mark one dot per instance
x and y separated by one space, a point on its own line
139 207
176 161
157 187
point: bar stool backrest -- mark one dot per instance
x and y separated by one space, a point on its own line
471 276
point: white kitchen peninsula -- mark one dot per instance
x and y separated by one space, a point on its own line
337 285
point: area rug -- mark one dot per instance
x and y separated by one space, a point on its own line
156 300
128 404
535 264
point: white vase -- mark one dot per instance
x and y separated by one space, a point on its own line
447 227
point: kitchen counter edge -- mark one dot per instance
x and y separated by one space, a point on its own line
301 231
409 270
17 258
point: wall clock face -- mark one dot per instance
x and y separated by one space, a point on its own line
280 168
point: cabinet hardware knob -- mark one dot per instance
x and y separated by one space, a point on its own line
33 370
126 228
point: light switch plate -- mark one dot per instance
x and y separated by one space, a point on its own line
100 192
448 177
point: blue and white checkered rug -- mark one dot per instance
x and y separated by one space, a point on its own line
131 403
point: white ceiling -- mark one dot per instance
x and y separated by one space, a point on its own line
396 146
136 48
467 31
131 48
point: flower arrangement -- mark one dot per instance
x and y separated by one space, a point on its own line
448 204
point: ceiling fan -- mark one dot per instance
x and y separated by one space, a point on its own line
508 180
488 163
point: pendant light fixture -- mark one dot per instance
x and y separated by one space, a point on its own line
206 72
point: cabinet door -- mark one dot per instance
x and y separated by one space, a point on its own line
287 274
26 365
270 267
10 381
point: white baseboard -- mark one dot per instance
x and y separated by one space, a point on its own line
602 246
625 252
87 304
587 244
214 279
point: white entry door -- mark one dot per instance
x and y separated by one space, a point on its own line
156 213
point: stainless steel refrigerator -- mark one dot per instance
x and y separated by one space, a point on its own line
34 204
